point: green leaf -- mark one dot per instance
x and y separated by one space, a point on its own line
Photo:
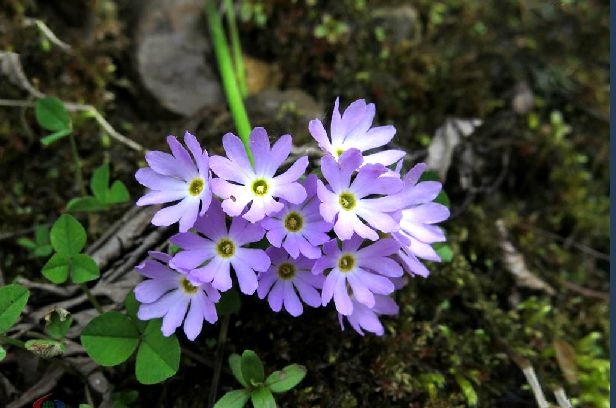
85 406
285 379
99 183
2 353
132 307
262 398
68 237
41 235
13 299
467 389
85 204
158 357
443 198
43 251
51 114
57 268
233 399
235 362
110 339
49 139
84 269
252 368
26 243
444 251
118 193
58 321
124 399
229 303
45 348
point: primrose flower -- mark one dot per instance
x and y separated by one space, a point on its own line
367 318
365 272
417 231
345 202
299 228
210 257
179 176
285 279
239 184
169 293
352 130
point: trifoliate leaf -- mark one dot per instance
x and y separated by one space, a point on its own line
99 183
132 307
252 368
67 236
158 357
110 339
285 379
57 268
235 362
51 114
13 299
118 193
58 321
85 204
262 398
233 399
84 269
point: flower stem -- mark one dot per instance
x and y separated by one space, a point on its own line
77 161
236 48
225 66
91 298
12 341
222 339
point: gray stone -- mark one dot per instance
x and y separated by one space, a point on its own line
171 49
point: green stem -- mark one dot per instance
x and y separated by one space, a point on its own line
91 298
225 66
77 161
236 48
222 339
12 341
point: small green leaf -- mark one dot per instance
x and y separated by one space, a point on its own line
467 389
2 353
13 299
45 348
158 357
57 268
51 114
286 379
85 204
132 307
58 321
233 399
252 368
85 406
118 193
84 269
49 139
110 339
41 235
68 237
443 198
262 398
444 251
229 303
26 243
43 251
235 362
124 399
99 183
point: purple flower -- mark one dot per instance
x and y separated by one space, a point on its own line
169 293
210 257
345 202
367 318
299 228
287 278
416 232
353 130
177 177
365 272
240 184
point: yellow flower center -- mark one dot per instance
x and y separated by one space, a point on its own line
225 248
260 187
187 287
196 187
347 201
293 222
286 271
346 263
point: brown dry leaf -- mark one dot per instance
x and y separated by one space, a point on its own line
565 356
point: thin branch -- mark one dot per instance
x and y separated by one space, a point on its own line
46 31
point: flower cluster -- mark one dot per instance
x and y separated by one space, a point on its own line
347 237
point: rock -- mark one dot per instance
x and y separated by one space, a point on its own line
173 55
